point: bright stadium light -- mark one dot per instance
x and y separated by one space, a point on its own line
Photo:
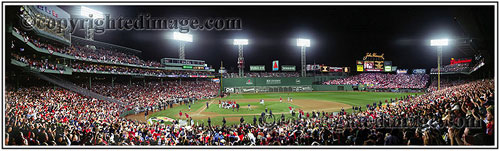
439 42
240 42
241 60
303 42
183 37
88 12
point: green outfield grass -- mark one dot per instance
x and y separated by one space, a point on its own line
255 108
350 98
174 112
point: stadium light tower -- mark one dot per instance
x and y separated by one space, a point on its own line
439 43
182 38
241 63
90 13
303 43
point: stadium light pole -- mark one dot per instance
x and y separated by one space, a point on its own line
90 13
303 43
439 43
241 63
182 38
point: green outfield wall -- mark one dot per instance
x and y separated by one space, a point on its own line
280 84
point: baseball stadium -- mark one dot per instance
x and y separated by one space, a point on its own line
350 76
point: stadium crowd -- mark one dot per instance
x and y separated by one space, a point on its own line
87 53
384 81
459 67
123 69
90 67
153 95
448 82
457 115
37 63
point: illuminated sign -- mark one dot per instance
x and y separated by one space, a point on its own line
418 71
453 61
347 69
394 68
258 68
379 64
359 62
287 68
187 67
402 71
369 64
336 69
359 68
387 68
276 65
198 68
373 55
325 69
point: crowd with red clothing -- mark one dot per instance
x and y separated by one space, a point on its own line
37 63
384 80
87 53
156 94
48 116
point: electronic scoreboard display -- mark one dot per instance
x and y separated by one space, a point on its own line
373 62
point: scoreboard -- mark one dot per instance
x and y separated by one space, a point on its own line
372 62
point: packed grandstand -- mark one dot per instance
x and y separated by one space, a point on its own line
49 114
384 81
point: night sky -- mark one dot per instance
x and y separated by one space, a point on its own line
339 34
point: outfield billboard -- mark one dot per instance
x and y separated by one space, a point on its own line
394 68
265 81
387 68
288 68
276 65
418 71
325 69
359 68
336 69
402 71
187 67
257 68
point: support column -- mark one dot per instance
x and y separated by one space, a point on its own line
90 82
303 60
440 54
181 50
241 61
113 81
